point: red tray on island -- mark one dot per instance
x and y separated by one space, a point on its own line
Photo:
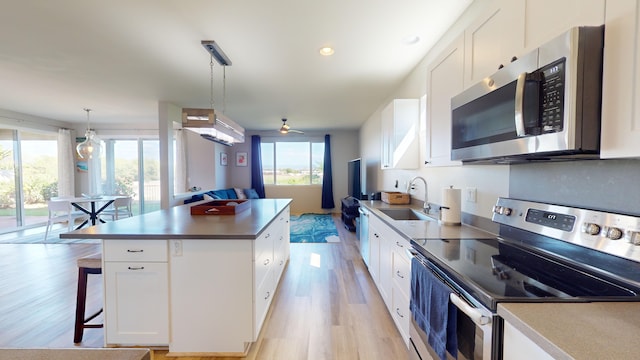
220 207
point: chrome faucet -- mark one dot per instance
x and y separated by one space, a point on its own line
425 207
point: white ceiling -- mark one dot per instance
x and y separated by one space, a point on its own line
120 57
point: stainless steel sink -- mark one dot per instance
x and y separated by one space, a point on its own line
405 214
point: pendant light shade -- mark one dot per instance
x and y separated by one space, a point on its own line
91 144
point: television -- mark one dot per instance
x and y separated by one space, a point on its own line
353 173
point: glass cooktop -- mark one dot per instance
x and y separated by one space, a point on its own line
493 270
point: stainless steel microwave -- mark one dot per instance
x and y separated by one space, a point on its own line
543 106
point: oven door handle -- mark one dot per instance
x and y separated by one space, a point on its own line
473 313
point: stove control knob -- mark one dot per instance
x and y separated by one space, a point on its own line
633 237
497 209
591 228
506 211
613 233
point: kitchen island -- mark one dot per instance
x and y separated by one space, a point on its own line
199 284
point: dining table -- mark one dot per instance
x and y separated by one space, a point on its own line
92 206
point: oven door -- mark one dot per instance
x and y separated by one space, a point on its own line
474 326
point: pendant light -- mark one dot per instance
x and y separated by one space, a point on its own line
211 124
91 143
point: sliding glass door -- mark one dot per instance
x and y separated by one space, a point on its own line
28 177
132 167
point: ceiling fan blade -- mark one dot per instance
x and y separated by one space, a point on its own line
296 131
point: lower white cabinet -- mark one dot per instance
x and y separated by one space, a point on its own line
136 281
517 346
390 269
221 290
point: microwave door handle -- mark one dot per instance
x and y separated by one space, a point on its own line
475 315
519 115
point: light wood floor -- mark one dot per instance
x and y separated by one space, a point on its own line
326 307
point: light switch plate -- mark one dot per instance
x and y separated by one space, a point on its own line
471 195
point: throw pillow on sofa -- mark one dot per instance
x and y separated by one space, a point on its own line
251 194
240 193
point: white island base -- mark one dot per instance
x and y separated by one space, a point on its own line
201 285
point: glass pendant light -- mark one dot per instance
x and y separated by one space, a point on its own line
91 143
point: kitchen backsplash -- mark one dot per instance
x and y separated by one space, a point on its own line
597 184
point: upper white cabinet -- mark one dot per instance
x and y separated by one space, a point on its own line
621 76
546 19
493 39
399 131
445 80
511 28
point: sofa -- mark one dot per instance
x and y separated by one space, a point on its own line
230 193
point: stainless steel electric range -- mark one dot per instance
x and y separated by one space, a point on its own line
544 253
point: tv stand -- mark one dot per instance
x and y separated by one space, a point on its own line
350 207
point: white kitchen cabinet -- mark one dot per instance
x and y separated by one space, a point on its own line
374 248
620 131
399 131
445 80
281 247
235 284
136 282
390 269
401 287
517 346
546 19
512 28
493 39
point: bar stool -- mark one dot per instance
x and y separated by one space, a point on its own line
87 265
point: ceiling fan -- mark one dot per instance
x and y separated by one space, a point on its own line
285 128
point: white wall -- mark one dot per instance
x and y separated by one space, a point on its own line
491 181
203 162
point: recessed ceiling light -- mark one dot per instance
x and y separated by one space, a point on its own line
326 51
410 39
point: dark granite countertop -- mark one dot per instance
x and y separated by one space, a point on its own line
178 223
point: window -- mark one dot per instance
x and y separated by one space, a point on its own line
292 163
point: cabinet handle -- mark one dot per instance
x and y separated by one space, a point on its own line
266 262
135 251
400 245
135 268
399 274
376 235
398 312
267 236
268 294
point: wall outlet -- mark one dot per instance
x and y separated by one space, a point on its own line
176 247
471 195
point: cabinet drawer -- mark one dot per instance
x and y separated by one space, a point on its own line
401 312
263 243
402 273
264 262
263 296
135 250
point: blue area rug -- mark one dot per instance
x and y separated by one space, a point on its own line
313 228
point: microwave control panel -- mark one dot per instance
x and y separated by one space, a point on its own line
552 91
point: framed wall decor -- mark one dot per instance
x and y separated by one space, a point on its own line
241 158
223 158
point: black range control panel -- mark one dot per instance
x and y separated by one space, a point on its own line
545 218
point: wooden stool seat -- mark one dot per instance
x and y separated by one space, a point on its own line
87 265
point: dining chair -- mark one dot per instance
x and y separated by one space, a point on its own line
61 211
121 208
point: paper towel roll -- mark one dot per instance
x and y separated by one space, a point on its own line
450 211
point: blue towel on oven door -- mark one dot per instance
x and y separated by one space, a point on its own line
432 311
